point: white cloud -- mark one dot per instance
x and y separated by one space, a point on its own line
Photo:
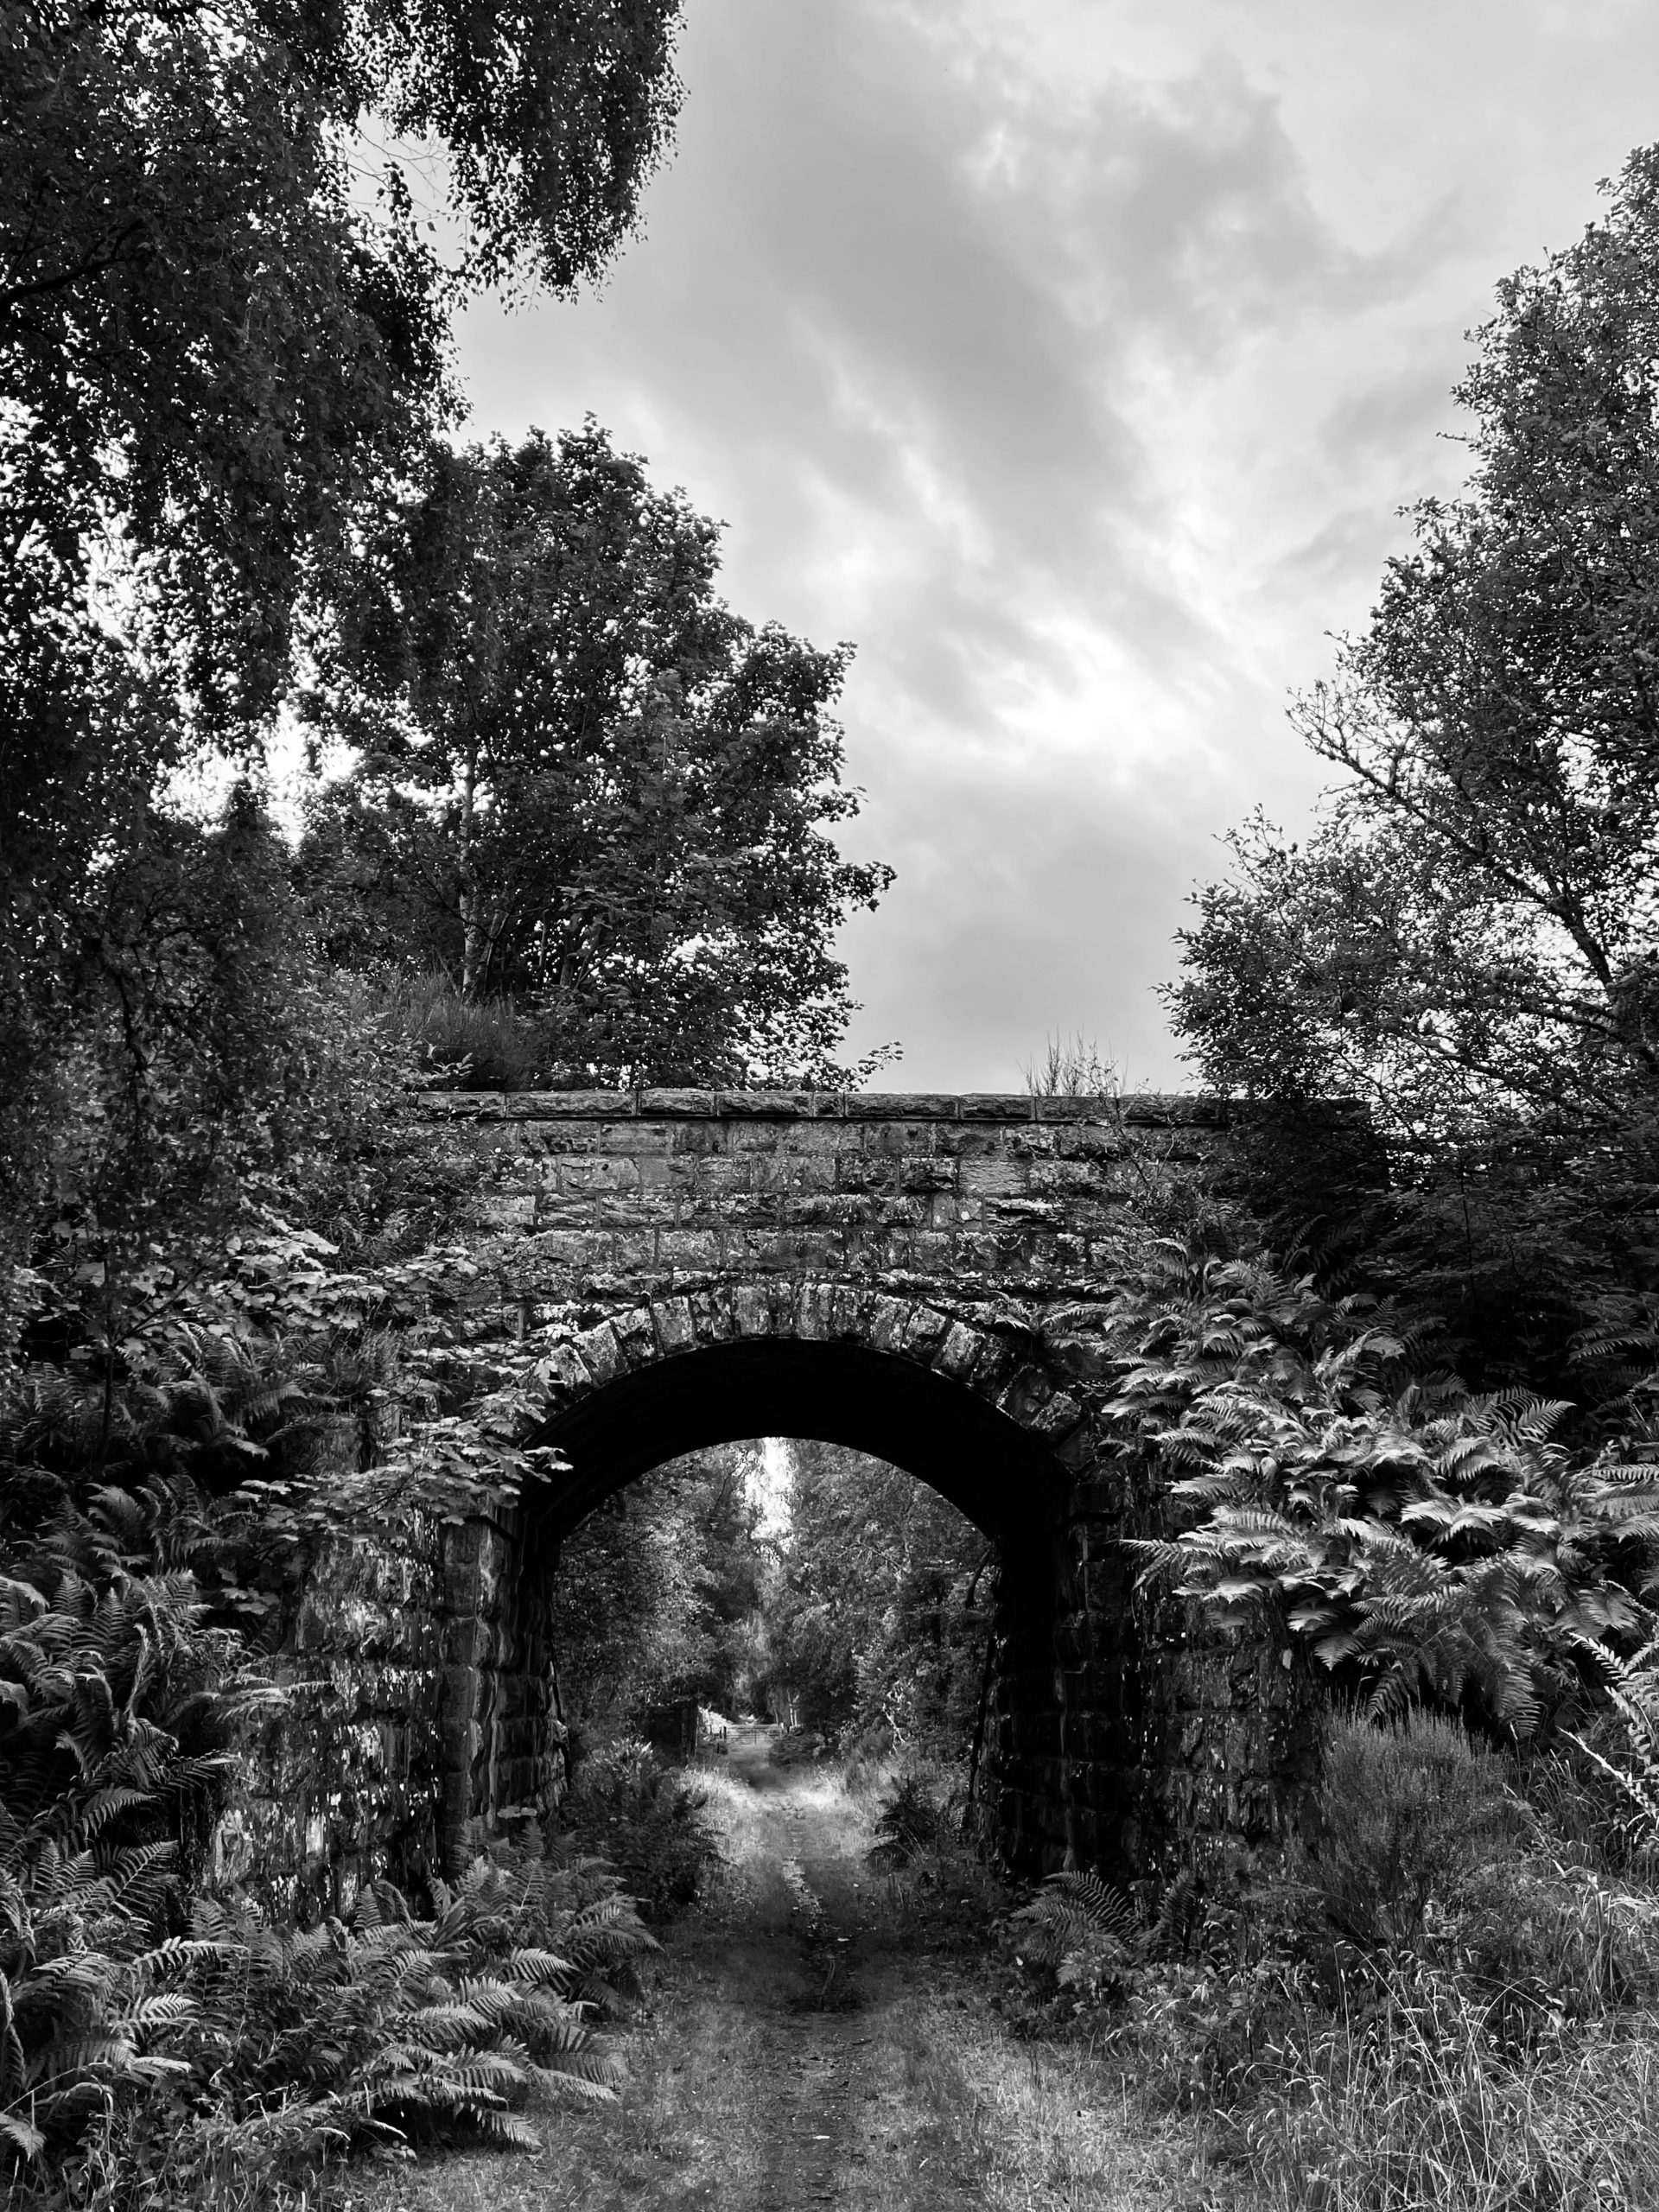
1071 357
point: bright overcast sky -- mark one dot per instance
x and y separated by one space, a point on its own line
1071 359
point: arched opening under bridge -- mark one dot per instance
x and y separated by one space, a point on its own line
947 1402
786 1582
1116 1729
1004 1478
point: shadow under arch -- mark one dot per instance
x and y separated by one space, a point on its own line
939 1428
1004 1478
1117 1734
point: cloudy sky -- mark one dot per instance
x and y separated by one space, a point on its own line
1072 357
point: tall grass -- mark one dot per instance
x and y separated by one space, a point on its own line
1406 2102
1450 2000
468 1044
1071 1067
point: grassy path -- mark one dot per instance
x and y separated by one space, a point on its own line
818 2036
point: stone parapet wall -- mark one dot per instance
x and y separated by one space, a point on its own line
1008 1192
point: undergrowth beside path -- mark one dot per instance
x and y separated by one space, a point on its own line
822 2033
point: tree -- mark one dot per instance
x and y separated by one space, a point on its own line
208 351
655 1594
1469 940
217 1091
880 1618
219 357
585 782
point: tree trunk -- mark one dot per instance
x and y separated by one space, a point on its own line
475 946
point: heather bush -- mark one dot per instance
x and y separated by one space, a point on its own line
1405 1810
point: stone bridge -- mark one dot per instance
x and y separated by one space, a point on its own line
923 1278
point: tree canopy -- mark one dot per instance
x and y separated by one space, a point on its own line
859 1611
212 349
878 1622
1469 939
585 783
224 333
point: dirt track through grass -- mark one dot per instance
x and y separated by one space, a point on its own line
819 2035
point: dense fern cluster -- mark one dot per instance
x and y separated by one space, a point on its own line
1422 1540
153 2043
293 2045
117 1703
136 2066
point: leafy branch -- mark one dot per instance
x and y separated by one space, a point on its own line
1431 1542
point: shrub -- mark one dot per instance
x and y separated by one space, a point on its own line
468 1044
632 1808
1450 2004
1404 1810
907 1823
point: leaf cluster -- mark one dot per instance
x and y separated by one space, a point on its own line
1421 1541
586 786
1468 941
1083 1940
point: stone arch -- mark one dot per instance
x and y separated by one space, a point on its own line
961 1399
958 1402
930 1273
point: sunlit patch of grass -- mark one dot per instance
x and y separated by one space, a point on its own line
759 1829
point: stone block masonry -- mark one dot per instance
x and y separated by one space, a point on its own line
922 1277
992 1193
